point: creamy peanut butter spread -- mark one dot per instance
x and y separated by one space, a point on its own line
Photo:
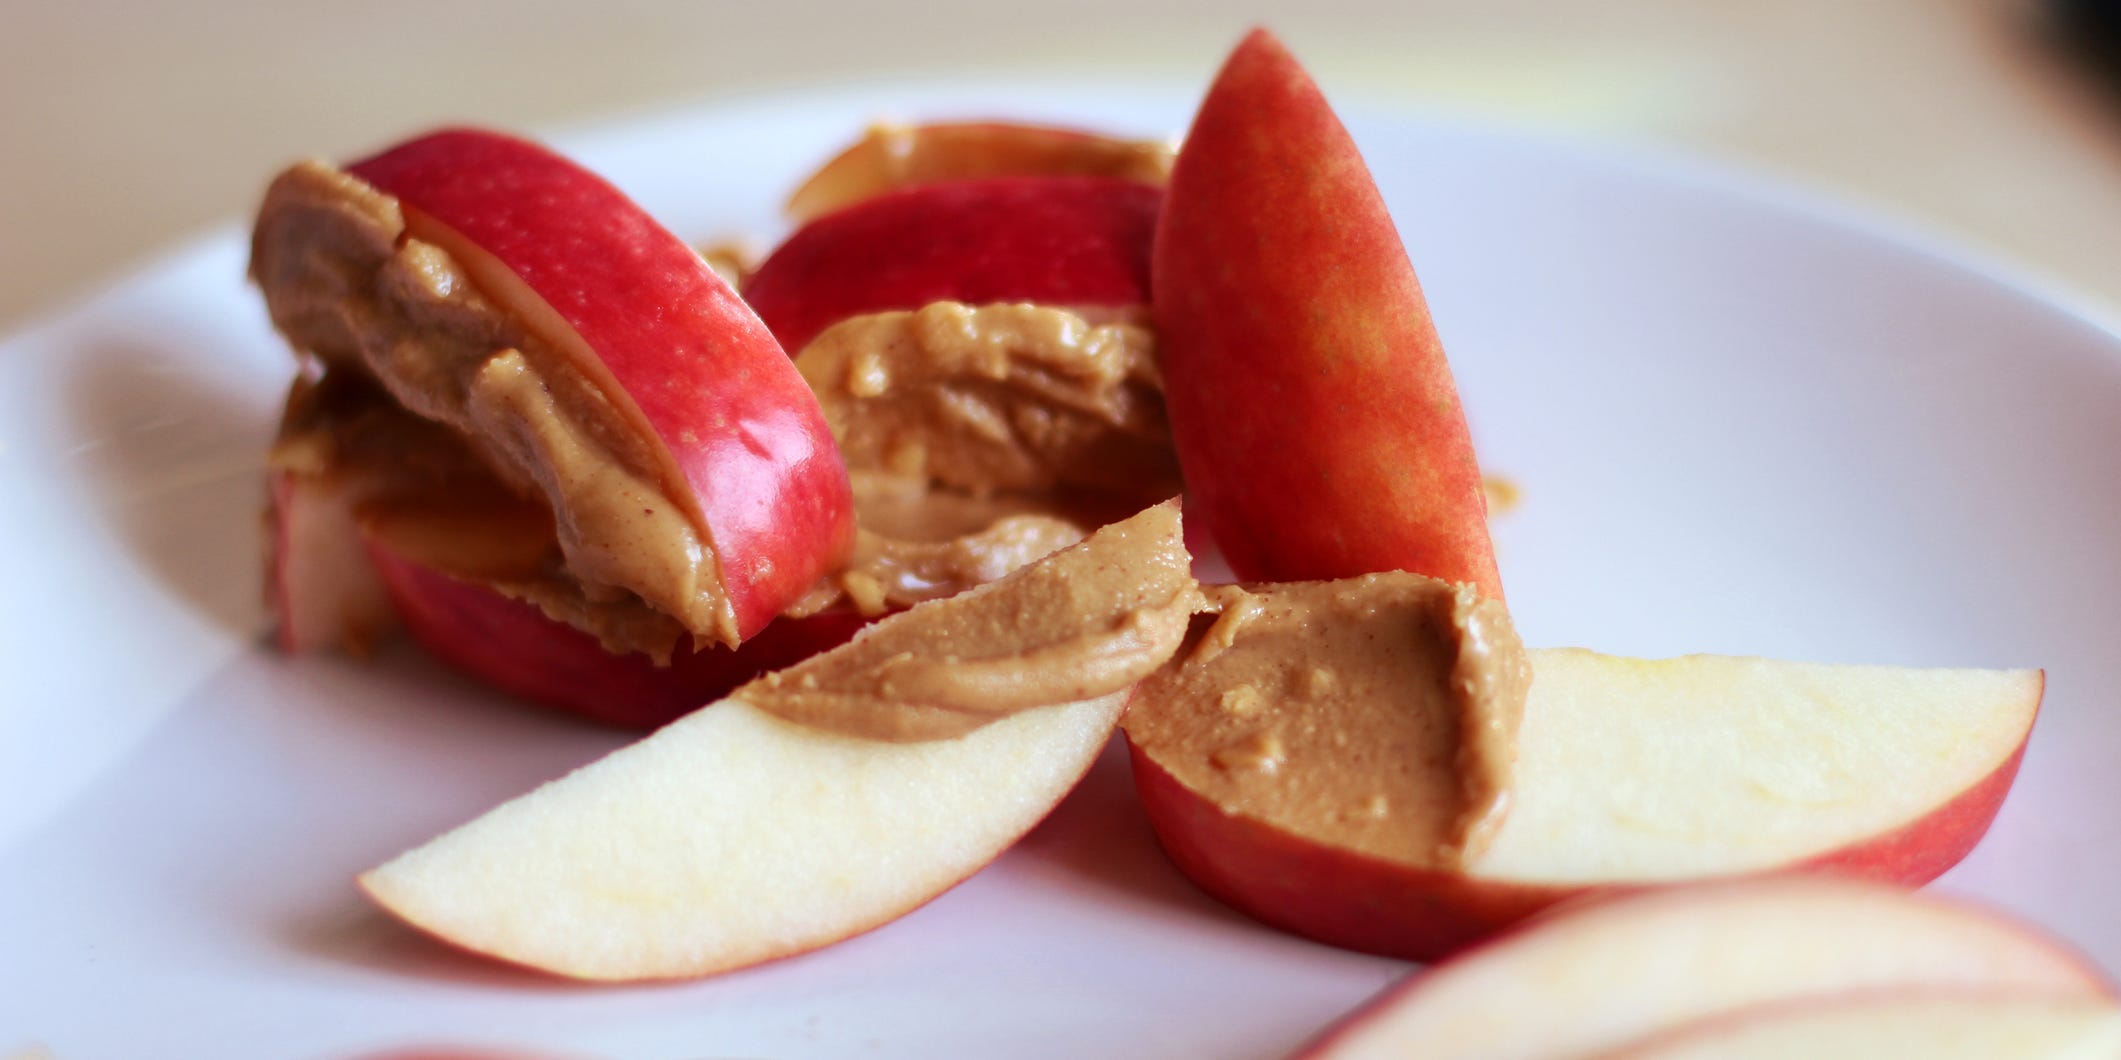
997 398
981 438
347 281
915 543
1084 622
1379 713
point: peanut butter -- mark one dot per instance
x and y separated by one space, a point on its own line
1084 622
1378 714
981 438
997 398
914 543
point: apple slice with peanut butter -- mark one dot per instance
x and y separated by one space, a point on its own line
585 355
821 801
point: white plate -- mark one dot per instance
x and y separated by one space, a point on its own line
1741 423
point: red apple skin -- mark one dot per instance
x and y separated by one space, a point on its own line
1361 903
512 646
744 432
1062 241
1314 413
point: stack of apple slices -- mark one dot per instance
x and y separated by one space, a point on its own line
784 837
1788 967
470 226
1310 407
495 328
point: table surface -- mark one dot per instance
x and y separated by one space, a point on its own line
129 126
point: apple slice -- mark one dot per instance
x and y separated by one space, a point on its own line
896 156
1602 974
1061 241
1932 1025
319 588
318 584
1628 773
734 836
1314 413
731 837
1667 769
514 647
585 352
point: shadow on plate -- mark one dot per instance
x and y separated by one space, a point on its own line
403 749
1100 834
172 459
353 932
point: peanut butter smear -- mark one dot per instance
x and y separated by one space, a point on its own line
915 543
1084 622
347 282
1378 714
997 398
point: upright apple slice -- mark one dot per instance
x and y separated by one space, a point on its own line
1604 974
1077 242
585 352
1320 435
893 156
734 836
1314 413
1627 773
1956 1025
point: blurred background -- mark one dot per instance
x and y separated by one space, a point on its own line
125 126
